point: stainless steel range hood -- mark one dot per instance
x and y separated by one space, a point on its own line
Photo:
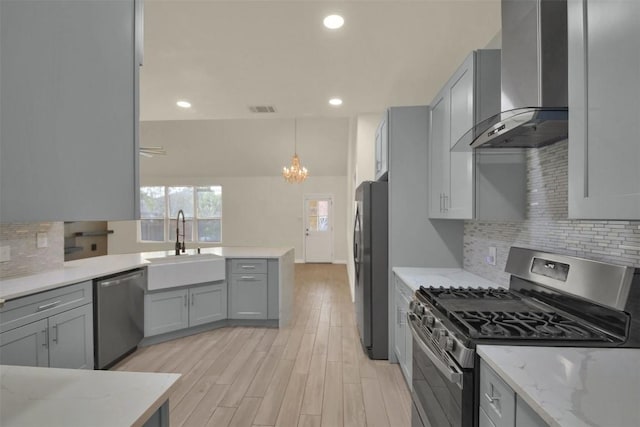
533 79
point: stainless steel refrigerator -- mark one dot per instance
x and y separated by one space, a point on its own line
370 253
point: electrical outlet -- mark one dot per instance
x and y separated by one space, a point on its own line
491 258
5 253
42 240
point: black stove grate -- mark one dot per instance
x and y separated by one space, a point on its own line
525 325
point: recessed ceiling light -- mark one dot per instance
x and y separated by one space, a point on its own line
335 101
333 22
183 104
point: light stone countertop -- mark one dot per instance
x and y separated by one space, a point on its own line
90 268
571 387
446 277
76 397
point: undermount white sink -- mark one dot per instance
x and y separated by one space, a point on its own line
179 270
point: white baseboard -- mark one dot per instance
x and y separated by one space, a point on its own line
299 261
339 261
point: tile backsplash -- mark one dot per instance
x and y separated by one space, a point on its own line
547 226
26 258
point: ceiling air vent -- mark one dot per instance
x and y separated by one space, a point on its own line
262 109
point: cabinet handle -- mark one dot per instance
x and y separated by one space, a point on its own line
446 202
185 300
491 399
45 333
248 277
55 335
50 305
248 267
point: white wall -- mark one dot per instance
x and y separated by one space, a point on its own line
361 167
245 157
256 211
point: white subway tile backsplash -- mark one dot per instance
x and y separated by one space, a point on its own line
547 227
26 258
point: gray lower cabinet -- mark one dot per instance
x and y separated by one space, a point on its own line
207 304
26 345
604 100
53 328
253 288
71 339
500 406
168 311
403 343
64 340
248 296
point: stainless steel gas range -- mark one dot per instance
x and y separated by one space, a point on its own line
552 300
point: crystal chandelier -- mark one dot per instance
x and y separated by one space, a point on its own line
294 173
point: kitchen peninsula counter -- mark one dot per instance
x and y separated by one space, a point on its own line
90 268
76 397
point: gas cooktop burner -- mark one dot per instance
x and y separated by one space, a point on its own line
528 325
468 293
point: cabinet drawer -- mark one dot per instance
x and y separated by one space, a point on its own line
22 311
248 296
496 398
239 266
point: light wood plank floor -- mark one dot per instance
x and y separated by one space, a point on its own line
312 374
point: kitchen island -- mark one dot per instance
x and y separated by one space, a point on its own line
571 387
75 397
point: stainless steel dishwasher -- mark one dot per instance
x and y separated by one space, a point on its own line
118 315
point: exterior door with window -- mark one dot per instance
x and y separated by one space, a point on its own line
318 228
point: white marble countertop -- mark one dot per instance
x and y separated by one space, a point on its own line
446 277
90 268
572 387
77 397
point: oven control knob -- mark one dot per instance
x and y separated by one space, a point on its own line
430 320
449 344
418 309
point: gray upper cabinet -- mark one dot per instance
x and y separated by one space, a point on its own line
69 109
604 109
466 184
382 148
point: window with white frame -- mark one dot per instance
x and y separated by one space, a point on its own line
202 207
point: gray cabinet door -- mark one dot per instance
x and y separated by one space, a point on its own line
438 156
399 344
527 417
165 312
71 339
68 72
207 304
26 345
248 296
459 200
604 109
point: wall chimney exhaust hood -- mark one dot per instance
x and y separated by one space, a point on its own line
533 79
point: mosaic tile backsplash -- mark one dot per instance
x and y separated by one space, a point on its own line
26 258
547 227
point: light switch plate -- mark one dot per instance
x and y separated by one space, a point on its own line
5 253
42 240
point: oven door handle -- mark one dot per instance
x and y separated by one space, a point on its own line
450 372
